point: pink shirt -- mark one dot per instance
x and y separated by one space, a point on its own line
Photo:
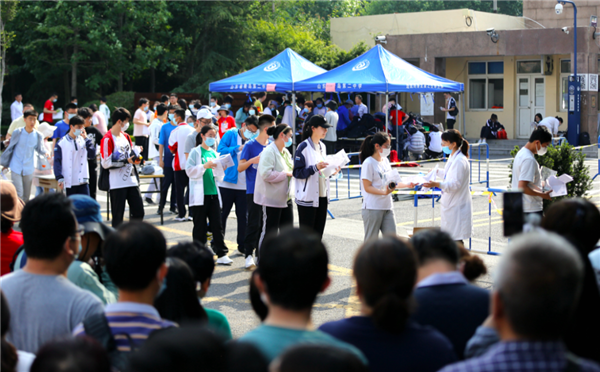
99 121
140 130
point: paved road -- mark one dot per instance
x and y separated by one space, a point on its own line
343 236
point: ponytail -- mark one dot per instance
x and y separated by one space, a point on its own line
368 146
386 271
454 136
472 266
278 129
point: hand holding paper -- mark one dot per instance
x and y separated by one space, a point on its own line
334 162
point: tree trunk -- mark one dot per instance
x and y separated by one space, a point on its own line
74 68
120 85
2 63
66 76
152 79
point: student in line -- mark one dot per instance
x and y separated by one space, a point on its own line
274 182
249 160
95 135
312 187
457 209
205 201
165 161
70 159
177 146
377 209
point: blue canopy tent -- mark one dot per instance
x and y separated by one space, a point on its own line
379 71
279 74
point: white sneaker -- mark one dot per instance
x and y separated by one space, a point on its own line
479 141
189 218
181 219
224 261
250 262
484 141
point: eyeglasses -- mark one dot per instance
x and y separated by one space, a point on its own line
78 233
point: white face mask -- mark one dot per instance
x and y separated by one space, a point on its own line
386 152
542 151
125 127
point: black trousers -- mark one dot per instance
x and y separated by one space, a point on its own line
450 123
182 182
167 181
78 190
486 132
237 197
143 141
133 197
92 166
211 210
329 147
314 218
276 219
253 226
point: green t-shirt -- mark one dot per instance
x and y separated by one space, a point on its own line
210 187
219 322
273 341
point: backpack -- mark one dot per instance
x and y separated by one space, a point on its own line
584 139
501 134
96 326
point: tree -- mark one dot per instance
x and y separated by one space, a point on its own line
372 7
8 9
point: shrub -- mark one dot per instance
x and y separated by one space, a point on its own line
117 99
563 159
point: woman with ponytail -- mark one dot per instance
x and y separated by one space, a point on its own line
386 272
456 210
205 199
377 208
274 183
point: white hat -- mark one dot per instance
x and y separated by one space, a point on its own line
46 129
204 114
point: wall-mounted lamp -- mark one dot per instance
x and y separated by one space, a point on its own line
381 39
493 34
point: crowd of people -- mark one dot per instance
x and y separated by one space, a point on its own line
92 298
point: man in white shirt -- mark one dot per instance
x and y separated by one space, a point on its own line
20 121
177 147
552 124
214 106
526 173
450 107
331 118
362 108
16 109
319 107
161 115
104 109
271 109
140 126
288 113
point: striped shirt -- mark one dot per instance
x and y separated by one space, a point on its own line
136 320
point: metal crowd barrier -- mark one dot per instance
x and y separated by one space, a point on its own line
487 163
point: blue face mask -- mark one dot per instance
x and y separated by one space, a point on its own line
319 105
249 134
77 132
446 150
251 112
191 107
146 108
71 115
212 104
210 141
54 100
171 117
227 105
288 143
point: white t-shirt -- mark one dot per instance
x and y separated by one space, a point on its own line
374 171
551 123
123 177
526 168
241 183
154 137
267 111
16 110
138 129
435 143
179 135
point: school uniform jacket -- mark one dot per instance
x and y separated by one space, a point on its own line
307 175
70 157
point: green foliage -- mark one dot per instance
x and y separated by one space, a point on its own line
373 7
564 160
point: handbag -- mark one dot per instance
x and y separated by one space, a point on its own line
104 179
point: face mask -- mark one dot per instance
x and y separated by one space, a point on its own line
249 134
162 287
191 107
319 105
77 132
146 108
171 117
251 112
125 127
210 141
288 143
386 152
75 103
71 115
446 150
227 105
54 100
212 104
542 151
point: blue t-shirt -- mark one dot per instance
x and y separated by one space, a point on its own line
273 341
416 348
251 149
344 119
163 139
62 128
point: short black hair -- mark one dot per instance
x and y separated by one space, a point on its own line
120 113
94 107
293 266
542 134
142 101
133 255
494 116
435 244
228 98
198 258
173 94
180 112
71 354
73 98
161 109
252 120
183 103
559 119
54 94
538 115
265 120
320 358
76 120
28 113
70 106
164 98
102 99
319 99
85 112
359 97
47 221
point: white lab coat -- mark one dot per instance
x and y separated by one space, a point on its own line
194 167
457 209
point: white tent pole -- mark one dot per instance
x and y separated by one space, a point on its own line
462 96
293 122
387 112
397 129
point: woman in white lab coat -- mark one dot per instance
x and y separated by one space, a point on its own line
457 210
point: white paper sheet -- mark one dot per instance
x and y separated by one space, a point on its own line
340 159
559 185
223 162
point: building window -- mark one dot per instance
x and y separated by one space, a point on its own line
565 71
486 85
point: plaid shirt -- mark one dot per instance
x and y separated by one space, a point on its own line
522 356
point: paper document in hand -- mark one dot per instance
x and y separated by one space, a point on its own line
545 174
389 177
223 162
559 185
338 160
